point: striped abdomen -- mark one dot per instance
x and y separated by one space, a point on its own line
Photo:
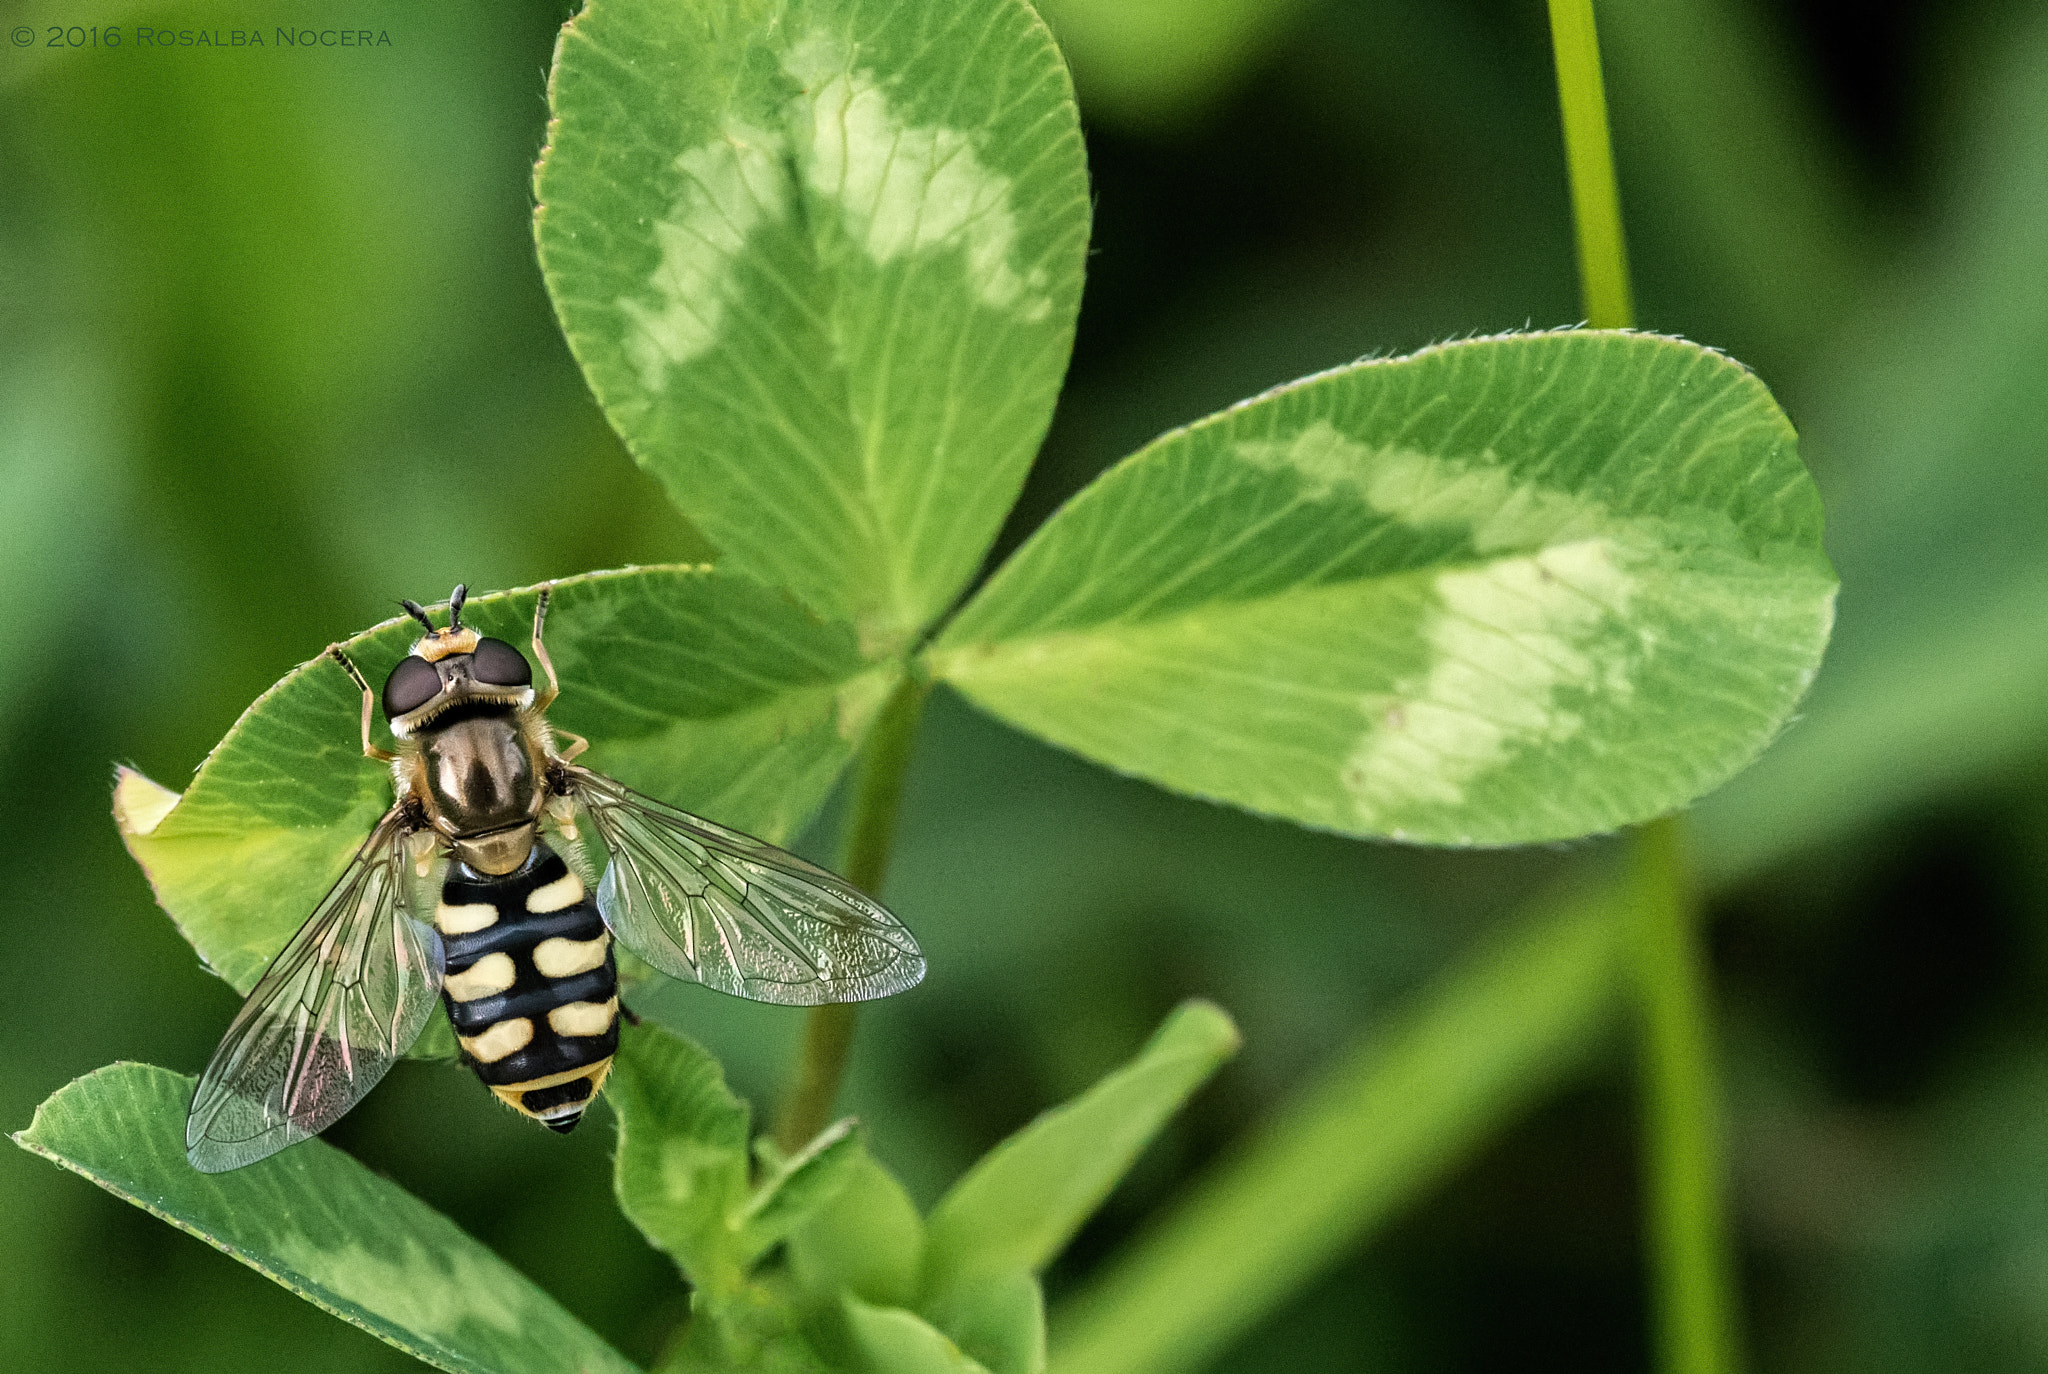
531 985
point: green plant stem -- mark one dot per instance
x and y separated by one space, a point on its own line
1397 1111
1682 1167
1687 1230
864 859
1589 159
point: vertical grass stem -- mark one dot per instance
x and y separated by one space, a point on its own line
1589 160
1686 1229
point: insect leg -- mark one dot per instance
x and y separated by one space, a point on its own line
540 651
577 744
369 704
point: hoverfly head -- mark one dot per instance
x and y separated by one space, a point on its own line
452 665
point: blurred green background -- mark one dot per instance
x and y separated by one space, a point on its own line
274 352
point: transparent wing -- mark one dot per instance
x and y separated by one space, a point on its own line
702 902
347 995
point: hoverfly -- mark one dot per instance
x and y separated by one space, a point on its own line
517 947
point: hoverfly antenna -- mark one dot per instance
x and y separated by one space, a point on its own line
455 600
413 609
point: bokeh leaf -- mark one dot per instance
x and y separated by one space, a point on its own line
1015 1208
999 1321
889 1340
59 474
867 1239
1927 419
323 1226
797 1187
1507 590
708 691
820 263
1391 1115
1151 64
681 1173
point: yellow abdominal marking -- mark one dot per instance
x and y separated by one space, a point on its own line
560 957
463 920
490 974
584 1018
549 1080
564 891
510 1093
499 1041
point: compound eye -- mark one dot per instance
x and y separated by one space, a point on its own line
412 684
499 664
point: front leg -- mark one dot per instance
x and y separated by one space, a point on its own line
370 750
545 698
